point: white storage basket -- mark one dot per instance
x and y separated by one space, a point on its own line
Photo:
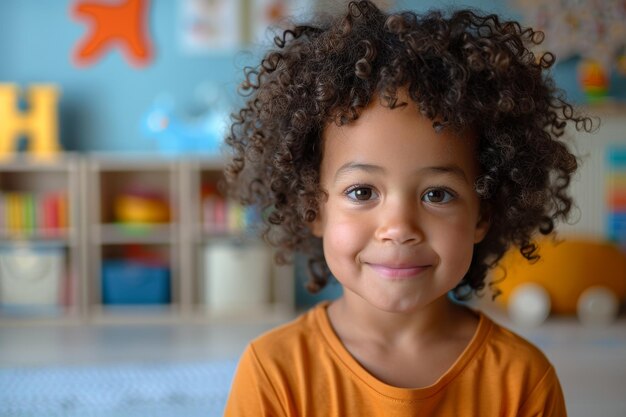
237 276
30 277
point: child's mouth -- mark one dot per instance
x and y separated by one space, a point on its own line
398 272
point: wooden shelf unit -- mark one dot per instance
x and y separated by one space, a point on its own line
45 214
95 235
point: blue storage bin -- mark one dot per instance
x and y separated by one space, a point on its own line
132 282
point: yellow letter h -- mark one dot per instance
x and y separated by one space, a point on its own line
39 124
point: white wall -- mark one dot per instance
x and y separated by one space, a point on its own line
589 187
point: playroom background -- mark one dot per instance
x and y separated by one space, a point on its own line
129 283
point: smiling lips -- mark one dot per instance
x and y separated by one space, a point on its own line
398 272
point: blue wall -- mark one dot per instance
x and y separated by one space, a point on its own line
102 104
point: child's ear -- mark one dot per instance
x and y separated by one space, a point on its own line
316 226
483 224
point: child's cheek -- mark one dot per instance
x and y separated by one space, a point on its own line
455 249
344 237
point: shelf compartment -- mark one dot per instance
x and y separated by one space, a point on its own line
37 281
37 204
153 187
134 276
40 213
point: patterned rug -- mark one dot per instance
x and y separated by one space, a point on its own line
134 390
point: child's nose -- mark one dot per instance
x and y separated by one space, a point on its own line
399 223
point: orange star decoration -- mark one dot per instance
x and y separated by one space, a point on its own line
124 23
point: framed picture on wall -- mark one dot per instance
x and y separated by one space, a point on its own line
280 14
266 14
207 26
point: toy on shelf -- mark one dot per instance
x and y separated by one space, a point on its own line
575 276
177 134
39 123
593 78
138 206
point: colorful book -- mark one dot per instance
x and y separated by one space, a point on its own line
28 201
62 212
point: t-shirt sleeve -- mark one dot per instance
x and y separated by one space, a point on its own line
252 393
546 399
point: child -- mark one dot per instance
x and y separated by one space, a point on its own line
404 154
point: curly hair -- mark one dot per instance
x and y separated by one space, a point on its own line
463 69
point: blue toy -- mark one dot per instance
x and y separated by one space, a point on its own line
176 135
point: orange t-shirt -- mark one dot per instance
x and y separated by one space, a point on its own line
302 369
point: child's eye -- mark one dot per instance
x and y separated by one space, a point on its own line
438 196
361 193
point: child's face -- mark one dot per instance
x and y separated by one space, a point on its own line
402 216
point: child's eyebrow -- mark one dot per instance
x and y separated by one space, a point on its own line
451 169
356 166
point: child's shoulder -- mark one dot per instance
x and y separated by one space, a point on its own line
506 345
291 336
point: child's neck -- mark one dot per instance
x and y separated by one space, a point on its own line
353 317
409 350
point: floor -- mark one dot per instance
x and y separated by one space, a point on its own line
591 362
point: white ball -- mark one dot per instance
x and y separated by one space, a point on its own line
597 306
529 305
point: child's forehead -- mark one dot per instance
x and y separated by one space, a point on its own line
401 102
379 125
